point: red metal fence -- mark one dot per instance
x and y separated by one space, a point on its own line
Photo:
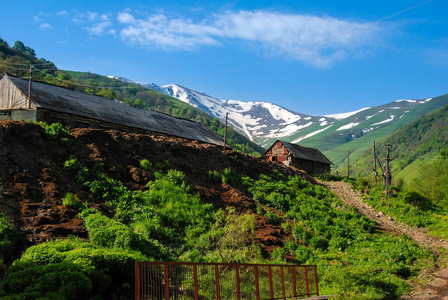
171 280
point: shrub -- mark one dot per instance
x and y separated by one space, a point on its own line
214 176
318 242
71 201
8 239
301 234
116 263
273 217
105 232
146 165
65 280
56 132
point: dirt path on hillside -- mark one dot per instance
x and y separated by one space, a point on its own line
437 277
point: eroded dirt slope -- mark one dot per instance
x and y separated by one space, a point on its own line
33 181
436 277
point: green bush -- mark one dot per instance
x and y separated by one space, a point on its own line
71 201
65 280
105 232
116 263
8 239
146 165
56 132
273 217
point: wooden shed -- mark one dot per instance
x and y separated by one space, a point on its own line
308 159
51 103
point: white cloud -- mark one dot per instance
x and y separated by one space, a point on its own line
63 13
45 26
319 41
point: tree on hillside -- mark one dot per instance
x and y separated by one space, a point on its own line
19 45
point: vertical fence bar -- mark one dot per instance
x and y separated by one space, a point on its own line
271 285
167 282
238 290
195 282
137 281
315 276
218 295
257 284
306 280
294 282
282 275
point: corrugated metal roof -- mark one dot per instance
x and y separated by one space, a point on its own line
74 102
306 153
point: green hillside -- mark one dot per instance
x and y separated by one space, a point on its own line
358 139
412 146
16 61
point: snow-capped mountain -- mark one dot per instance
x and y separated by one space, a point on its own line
265 122
261 121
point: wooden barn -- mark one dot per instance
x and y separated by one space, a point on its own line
308 159
74 109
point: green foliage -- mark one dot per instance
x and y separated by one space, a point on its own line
273 217
230 240
115 264
432 181
72 201
56 132
8 239
173 215
105 232
146 165
65 280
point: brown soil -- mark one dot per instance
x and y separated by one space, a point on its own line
436 277
33 181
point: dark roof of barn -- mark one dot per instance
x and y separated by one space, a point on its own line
306 153
83 104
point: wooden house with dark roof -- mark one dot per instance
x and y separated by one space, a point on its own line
308 159
71 108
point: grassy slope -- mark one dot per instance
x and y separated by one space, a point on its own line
414 145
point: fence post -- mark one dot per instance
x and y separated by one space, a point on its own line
306 280
271 285
257 284
137 281
195 280
218 295
317 285
294 282
283 282
167 282
238 290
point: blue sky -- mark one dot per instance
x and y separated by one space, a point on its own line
314 57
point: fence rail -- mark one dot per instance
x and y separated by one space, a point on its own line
173 280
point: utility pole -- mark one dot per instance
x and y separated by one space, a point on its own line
375 173
225 132
388 175
30 77
348 164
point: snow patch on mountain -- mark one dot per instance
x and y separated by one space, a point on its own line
346 115
347 126
310 134
391 118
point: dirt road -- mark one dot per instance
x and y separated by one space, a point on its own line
437 288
